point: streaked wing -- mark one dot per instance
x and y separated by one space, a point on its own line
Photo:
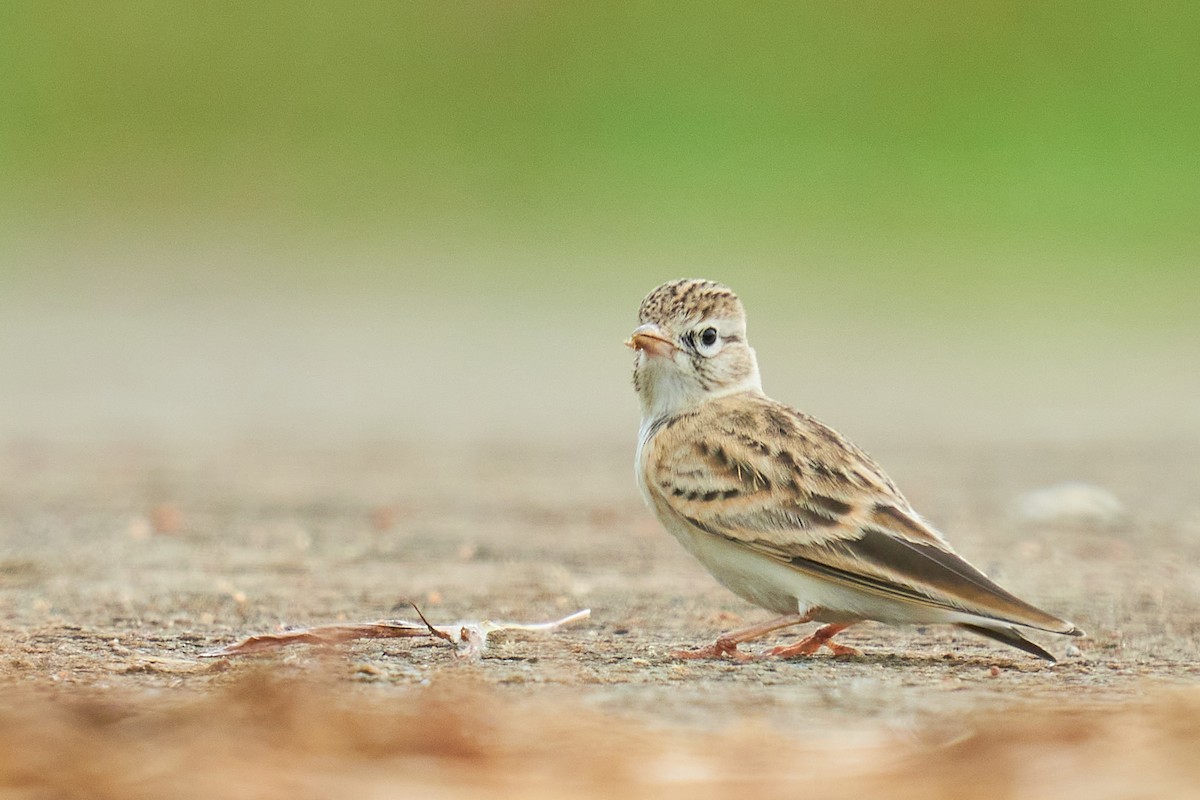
783 484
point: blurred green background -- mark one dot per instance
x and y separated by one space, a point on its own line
859 171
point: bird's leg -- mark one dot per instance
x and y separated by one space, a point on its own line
821 637
727 643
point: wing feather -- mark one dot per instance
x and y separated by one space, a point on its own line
785 485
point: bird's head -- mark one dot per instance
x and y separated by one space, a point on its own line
691 346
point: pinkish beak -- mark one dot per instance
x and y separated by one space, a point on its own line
649 339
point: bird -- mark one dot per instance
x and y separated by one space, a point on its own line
782 509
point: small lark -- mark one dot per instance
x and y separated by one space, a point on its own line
781 509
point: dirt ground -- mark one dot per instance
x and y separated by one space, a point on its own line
119 565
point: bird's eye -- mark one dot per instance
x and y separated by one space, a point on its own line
708 340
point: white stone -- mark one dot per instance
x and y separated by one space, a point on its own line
1074 501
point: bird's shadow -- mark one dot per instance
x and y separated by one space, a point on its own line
889 661
913 660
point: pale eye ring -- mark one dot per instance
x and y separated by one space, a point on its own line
706 342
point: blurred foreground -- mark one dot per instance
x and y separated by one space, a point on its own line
265 739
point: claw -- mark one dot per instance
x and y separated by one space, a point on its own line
846 650
721 648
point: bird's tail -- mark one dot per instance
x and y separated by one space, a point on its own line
1011 636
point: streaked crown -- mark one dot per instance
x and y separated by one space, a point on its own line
691 299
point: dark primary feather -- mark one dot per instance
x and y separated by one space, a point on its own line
1011 637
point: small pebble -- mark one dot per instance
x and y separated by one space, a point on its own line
166 519
140 529
383 518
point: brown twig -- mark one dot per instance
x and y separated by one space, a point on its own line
470 637
432 630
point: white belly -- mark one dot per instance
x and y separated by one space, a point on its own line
783 589
752 576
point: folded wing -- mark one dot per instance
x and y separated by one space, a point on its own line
791 488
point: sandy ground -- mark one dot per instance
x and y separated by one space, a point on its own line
238 482
119 565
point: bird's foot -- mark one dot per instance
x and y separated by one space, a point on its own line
822 637
722 648
801 649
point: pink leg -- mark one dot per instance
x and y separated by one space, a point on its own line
727 643
821 637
